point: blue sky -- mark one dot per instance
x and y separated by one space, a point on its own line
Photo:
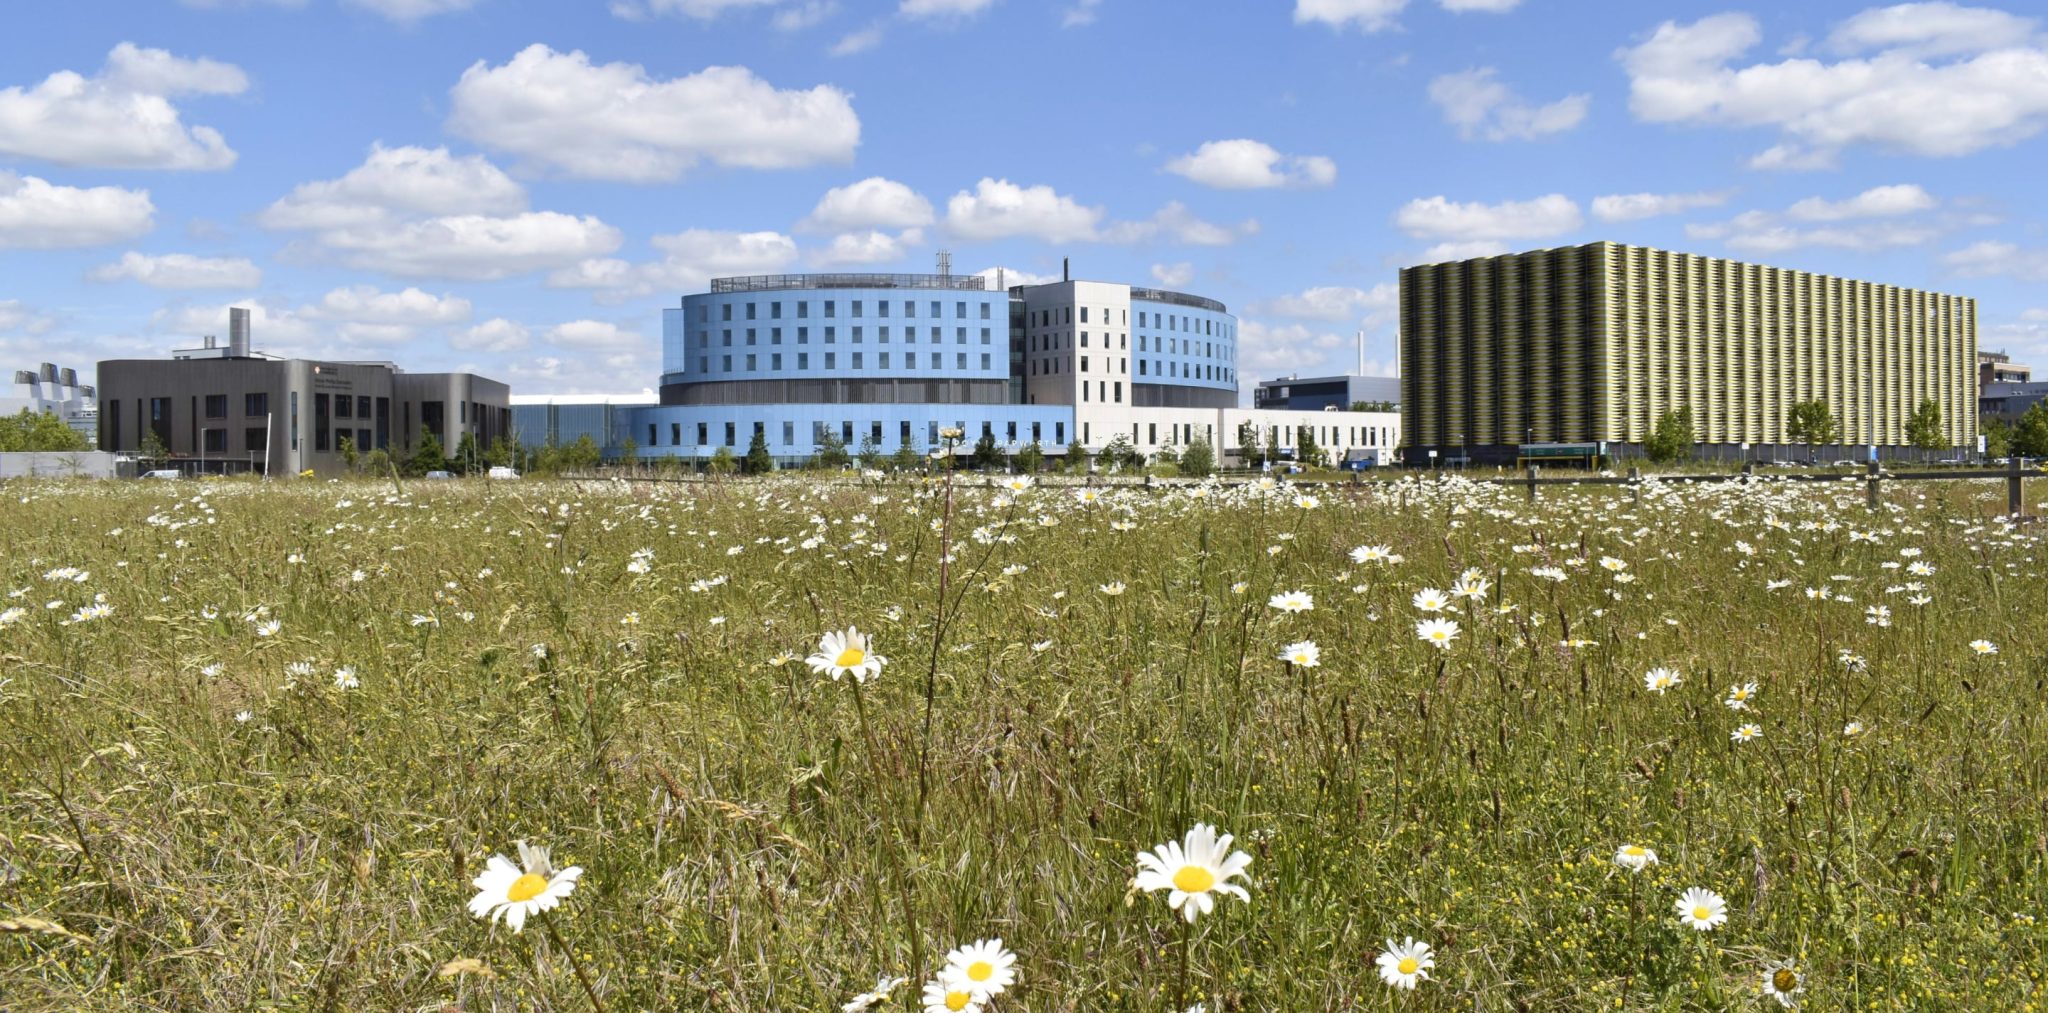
519 186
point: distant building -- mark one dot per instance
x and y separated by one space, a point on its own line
1315 393
1592 345
540 420
1998 367
231 409
54 391
2009 401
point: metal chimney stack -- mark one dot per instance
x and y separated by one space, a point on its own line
238 332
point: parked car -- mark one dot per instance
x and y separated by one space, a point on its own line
165 473
440 474
503 473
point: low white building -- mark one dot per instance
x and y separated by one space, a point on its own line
54 391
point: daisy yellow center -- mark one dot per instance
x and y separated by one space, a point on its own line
1700 913
958 1000
1437 635
1193 879
1633 851
852 657
980 970
526 887
1784 979
1409 965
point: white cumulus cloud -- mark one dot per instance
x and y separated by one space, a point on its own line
870 247
872 203
474 247
999 209
181 270
1174 223
942 8
1479 105
1879 218
613 121
1929 79
1992 258
1335 302
398 182
495 335
38 215
1244 164
1634 207
1876 202
409 11
1173 275
364 304
123 118
692 258
1380 15
1450 221
590 335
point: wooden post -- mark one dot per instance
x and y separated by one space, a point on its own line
2015 496
1870 486
1749 469
1532 483
1635 484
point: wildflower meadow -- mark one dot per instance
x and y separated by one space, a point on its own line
947 744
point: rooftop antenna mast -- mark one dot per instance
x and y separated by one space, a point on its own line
945 263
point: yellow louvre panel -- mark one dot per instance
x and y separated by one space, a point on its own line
1512 337
1480 352
1456 332
1573 377
1543 379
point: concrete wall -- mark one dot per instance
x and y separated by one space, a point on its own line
83 464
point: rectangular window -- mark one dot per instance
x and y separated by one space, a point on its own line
775 311
831 335
856 335
959 335
909 308
910 360
1059 433
1084 339
725 338
1084 364
731 433
703 364
931 438
875 432
846 432
882 307
789 434
1084 391
803 310
885 360
675 434
703 434
959 310
213 441
295 418
1084 314
750 337
960 360
703 313
831 360
856 360
725 363
775 335
884 336
363 406
750 310
256 439
803 360
984 360
750 362
320 423
1119 392
831 309
856 309
652 440
727 311
1152 433
935 309
216 406
775 361
344 407
984 311
803 334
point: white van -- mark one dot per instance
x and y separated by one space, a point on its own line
500 472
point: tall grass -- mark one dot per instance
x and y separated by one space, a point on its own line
251 835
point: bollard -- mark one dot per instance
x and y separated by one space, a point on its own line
2015 498
1532 483
1870 486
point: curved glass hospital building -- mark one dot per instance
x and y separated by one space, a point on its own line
891 359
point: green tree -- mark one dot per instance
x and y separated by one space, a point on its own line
831 452
986 456
1305 449
582 455
2030 434
1198 459
44 432
1373 406
629 454
1811 423
906 457
377 462
502 452
1673 438
1997 436
349 458
1077 457
426 457
1118 453
467 454
759 461
1248 444
1272 451
152 448
1923 427
1031 458
722 462
870 452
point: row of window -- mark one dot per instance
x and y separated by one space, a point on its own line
1156 321
934 360
253 405
803 336
1052 366
831 308
823 431
1171 346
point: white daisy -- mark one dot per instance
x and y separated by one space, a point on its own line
884 987
1658 680
1304 654
1406 963
1739 696
1783 982
984 965
943 995
1635 857
1292 601
1195 869
512 892
1439 632
1746 733
846 653
1701 909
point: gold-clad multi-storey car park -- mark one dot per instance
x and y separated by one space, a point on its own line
1595 343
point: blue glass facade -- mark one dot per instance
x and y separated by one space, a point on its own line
838 334
1181 345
